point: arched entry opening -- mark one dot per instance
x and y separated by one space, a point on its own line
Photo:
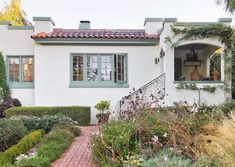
197 62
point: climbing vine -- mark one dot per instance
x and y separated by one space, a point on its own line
206 88
221 31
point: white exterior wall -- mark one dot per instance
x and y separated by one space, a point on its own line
18 42
52 69
52 75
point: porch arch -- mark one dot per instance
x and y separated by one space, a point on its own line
192 61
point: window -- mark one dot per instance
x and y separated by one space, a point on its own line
20 71
99 70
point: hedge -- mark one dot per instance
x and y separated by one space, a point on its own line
80 114
8 156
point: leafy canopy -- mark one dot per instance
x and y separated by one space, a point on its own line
229 5
14 13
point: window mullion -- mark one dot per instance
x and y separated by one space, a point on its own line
113 68
99 67
20 70
84 67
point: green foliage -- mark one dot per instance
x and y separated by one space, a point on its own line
10 133
182 85
45 122
215 64
227 106
233 67
50 149
114 145
8 156
208 88
14 13
69 127
153 123
223 32
4 88
80 114
102 105
228 4
167 158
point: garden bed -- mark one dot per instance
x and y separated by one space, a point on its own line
173 136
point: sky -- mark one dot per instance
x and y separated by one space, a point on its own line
120 13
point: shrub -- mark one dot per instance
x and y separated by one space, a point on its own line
8 104
23 145
167 158
5 93
11 132
218 141
51 148
45 122
79 114
115 143
227 106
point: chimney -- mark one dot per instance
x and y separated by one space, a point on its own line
43 24
85 24
153 25
226 21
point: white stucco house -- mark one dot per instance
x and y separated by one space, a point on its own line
48 66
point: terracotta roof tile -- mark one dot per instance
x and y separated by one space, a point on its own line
97 34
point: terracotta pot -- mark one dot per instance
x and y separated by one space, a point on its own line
102 118
215 75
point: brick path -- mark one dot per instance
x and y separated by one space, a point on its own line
78 154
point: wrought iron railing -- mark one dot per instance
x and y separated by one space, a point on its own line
149 95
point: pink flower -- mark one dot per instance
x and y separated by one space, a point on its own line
155 139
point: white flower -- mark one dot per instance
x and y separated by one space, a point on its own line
165 135
165 158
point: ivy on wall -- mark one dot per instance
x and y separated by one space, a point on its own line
206 88
223 32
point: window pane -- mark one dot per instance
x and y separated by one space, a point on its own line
121 68
14 74
27 65
106 68
92 68
78 68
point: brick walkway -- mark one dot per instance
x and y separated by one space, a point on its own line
78 154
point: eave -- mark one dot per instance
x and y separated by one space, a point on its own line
77 41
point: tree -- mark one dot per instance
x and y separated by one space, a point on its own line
14 13
228 4
5 93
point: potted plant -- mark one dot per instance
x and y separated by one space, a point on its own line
216 75
103 116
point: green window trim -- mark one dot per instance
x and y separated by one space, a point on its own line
20 84
113 83
199 82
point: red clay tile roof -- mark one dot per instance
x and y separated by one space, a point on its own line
97 34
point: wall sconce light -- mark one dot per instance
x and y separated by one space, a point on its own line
162 53
157 60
